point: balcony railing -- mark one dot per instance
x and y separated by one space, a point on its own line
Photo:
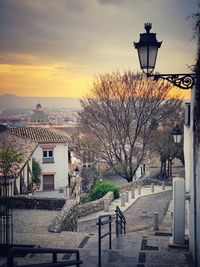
48 160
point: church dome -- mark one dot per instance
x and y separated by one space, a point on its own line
38 106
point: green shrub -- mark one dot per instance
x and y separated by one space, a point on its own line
37 171
101 188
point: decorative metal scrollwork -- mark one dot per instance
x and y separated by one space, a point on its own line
183 81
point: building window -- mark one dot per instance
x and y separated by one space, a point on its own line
48 156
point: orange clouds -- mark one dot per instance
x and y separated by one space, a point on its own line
42 80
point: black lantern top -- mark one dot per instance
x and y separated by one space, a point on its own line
147 48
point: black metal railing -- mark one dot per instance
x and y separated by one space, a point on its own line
120 222
102 220
54 251
6 218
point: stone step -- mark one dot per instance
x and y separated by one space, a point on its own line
112 258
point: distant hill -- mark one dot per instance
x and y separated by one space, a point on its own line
10 101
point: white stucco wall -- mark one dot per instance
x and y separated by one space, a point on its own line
60 166
189 181
190 174
188 177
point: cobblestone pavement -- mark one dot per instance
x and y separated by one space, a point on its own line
139 215
31 228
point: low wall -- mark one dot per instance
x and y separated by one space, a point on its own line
94 206
66 220
145 181
34 202
132 185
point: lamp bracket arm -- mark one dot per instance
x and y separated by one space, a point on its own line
183 81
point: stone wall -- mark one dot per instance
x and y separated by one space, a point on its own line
131 185
34 202
66 220
144 181
94 206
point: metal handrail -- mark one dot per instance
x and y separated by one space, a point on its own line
16 250
120 222
102 220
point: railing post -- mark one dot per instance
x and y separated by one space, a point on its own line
10 259
156 221
54 257
117 225
99 260
78 259
124 227
110 233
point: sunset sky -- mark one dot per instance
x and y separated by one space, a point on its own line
56 47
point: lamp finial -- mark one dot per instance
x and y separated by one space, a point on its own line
147 27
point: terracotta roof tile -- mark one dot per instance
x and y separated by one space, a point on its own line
25 146
38 134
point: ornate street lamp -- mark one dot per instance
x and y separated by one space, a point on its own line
147 48
177 134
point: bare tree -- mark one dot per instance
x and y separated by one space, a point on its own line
163 144
121 112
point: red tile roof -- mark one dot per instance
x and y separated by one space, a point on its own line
25 146
38 134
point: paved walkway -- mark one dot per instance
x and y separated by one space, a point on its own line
140 247
145 191
126 250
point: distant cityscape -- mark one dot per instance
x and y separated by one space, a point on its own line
18 111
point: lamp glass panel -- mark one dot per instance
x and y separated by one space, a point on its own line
177 138
152 56
142 53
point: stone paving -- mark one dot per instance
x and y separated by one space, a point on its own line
31 228
128 251
140 248
139 215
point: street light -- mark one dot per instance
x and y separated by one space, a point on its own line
177 134
147 48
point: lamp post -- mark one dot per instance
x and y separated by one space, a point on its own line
147 48
177 134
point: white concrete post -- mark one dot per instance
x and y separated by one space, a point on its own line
163 185
156 221
133 193
127 196
152 188
139 190
106 204
123 200
178 211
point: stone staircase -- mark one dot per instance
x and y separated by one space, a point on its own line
135 250
125 251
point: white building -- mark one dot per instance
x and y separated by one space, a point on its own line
51 153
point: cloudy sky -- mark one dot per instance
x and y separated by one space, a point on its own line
56 47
